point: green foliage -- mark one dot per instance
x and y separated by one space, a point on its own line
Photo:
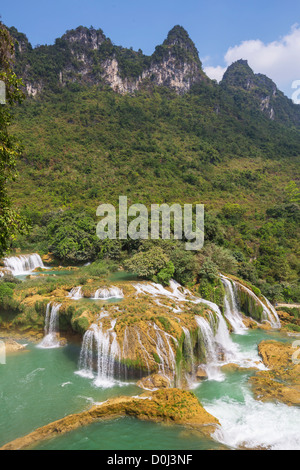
6 291
212 290
10 221
292 327
85 144
208 271
233 212
165 323
292 193
73 237
147 264
165 275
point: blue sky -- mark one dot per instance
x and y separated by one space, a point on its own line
260 31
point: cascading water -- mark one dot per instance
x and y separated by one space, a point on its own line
23 264
215 333
221 344
99 348
269 312
250 423
212 366
76 293
231 310
51 339
275 322
108 293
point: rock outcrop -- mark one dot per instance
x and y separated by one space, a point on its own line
86 55
12 346
170 406
282 381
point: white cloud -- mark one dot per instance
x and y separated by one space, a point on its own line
279 60
215 73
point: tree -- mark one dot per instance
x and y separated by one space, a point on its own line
292 192
10 221
147 264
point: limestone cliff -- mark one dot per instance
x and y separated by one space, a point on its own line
86 55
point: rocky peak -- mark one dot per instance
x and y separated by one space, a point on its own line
88 37
178 45
262 91
239 75
22 44
178 36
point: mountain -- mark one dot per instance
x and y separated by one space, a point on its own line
102 121
99 115
260 91
87 56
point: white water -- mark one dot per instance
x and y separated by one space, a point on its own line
108 293
99 348
218 343
76 293
212 366
269 312
275 322
23 264
158 290
254 424
221 343
51 339
231 308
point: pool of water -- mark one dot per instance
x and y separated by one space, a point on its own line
50 272
129 434
40 386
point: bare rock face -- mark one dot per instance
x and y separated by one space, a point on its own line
201 374
87 56
154 382
88 37
282 381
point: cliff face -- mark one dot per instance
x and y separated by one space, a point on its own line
86 56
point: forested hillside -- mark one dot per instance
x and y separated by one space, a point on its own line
102 121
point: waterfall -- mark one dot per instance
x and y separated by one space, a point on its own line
274 319
220 349
269 312
167 365
23 264
99 348
212 366
51 338
76 293
231 308
214 334
86 355
108 293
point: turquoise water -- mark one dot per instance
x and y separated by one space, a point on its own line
50 272
40 386
130 434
